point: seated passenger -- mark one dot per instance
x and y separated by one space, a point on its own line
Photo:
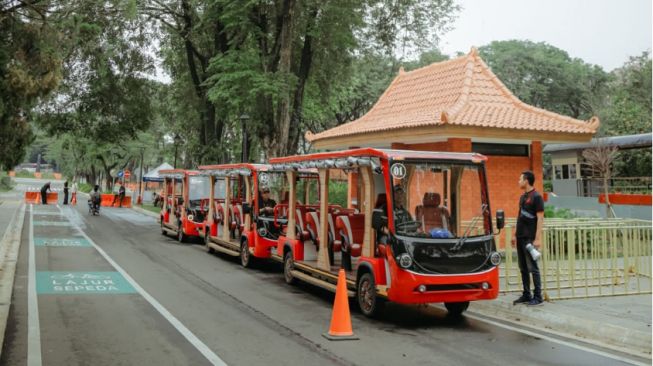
265 203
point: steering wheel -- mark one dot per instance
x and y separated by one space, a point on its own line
410 224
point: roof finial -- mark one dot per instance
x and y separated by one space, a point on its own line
473 51
401 70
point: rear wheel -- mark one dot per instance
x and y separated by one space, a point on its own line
246 259
163 230
180 234
288 267
456 308
368 301
207 241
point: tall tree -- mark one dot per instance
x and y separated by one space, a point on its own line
30 68
547 77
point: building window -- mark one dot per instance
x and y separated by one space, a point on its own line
565 171
500 149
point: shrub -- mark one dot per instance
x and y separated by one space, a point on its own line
561 213
85 187
548 186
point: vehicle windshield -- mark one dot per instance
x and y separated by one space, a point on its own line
198 188
438 200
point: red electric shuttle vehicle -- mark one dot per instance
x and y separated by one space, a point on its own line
416 228
185 196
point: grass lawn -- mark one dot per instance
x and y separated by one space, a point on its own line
151 208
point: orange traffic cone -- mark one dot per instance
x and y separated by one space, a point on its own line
340 328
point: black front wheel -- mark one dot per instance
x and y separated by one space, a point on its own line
456 308
180 234
207 241
246 259
368 301
288 267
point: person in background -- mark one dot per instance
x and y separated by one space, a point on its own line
120 196
65 193
73 190
44 194
95 196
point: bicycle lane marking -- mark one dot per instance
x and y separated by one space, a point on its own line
33 325
178 325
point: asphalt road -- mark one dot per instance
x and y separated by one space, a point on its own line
111 290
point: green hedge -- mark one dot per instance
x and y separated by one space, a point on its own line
85 187
561 213
5 183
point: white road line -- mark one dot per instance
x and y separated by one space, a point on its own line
555 340
196 342
33 324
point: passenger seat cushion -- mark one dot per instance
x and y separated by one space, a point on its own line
352 228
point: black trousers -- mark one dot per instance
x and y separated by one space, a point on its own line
44 197
528 267
65 196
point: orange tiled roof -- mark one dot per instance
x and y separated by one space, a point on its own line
462 91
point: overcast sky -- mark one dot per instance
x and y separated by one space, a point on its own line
602 32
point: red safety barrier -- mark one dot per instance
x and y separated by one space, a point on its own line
106 200
33 197
57 176
37 175
627 199
52 198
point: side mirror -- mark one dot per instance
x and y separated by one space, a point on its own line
247 209
501 219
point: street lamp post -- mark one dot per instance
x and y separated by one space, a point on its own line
140 181
244 157
177 141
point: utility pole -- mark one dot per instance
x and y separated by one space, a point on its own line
140 179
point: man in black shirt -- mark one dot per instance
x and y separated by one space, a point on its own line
529 231
120 196
44 193
265 203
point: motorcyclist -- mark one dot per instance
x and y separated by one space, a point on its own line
95 197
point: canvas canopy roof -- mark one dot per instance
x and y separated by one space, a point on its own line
153 175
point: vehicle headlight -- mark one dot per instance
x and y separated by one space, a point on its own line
190 217
405 260
495 258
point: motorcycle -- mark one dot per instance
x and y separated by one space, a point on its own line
93 208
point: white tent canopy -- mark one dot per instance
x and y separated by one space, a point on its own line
153 175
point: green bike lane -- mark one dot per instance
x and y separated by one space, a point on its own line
79 307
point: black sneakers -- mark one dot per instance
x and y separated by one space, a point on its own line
535 302
523 299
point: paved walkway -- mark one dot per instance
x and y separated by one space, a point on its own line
620 323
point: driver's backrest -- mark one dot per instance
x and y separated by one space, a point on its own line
430 213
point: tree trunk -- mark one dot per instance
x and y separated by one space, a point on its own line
281 133
302 75
608 206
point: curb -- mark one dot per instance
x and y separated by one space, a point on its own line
145 212
9 247
621 339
